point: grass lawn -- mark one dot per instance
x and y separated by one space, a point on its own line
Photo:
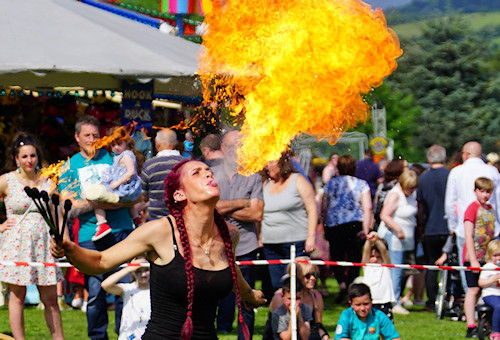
417 325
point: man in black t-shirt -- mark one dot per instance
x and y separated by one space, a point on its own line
430 196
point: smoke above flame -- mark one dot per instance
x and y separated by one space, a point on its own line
293 67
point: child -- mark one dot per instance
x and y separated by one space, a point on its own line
479 224
489 280
378 278
360 321
282 327
136 299
119 183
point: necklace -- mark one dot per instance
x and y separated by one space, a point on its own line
206 251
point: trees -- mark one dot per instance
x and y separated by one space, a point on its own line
458 93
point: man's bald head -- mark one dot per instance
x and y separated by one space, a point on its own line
166 139
471 149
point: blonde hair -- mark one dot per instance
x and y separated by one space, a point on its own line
493 246
303 268
408 179
483 183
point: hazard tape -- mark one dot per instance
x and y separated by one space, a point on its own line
273 262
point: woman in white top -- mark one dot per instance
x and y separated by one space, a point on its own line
399 221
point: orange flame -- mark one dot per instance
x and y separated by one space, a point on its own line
53 171
294 67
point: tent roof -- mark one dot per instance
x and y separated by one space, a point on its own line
50 43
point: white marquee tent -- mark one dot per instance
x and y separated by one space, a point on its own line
66 43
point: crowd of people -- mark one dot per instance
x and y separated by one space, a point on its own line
191 219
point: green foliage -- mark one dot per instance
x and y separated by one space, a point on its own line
424 9
448 73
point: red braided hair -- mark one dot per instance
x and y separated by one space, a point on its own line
173 183
228 247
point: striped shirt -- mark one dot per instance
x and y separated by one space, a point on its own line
154 172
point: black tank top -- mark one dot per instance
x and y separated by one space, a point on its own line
169 298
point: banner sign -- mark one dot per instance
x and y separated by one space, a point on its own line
137 103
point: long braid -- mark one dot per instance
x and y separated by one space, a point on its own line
172 183
228 247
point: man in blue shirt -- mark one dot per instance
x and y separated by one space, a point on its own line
361 321
369 171
81 170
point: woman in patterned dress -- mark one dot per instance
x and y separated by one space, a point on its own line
348 218
25 238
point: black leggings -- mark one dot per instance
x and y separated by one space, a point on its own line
345 246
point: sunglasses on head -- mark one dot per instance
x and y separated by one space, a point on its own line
308 275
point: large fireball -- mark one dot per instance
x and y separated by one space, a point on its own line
292 67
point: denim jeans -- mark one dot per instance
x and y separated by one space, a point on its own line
225 312
277 252
397 257
494 301
97 309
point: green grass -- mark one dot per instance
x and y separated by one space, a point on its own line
417 325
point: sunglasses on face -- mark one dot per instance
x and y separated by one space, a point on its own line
308 275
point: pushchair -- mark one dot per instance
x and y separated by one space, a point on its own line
450 296
485 315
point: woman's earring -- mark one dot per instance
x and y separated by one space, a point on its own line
37 167
17 164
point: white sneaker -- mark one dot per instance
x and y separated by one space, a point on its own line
77 303
84 307
398 309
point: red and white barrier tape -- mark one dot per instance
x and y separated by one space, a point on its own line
58 264
271 262
354 264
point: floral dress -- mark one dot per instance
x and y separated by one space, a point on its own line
27 241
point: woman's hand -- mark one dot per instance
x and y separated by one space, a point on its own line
310 243
113 185
400 234
57 250
8 224
256 299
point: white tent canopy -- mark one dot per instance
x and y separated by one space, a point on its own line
66 43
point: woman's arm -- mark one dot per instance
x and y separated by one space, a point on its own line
390 206
10 222
251 296
366 206
306 192
128 162
144 239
